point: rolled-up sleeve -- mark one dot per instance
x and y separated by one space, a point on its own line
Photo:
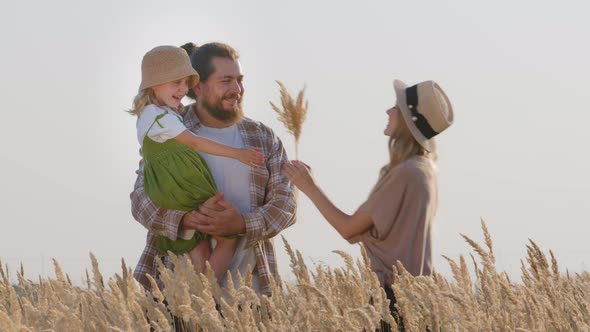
154 218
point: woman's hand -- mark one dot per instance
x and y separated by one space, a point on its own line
348 226
300 175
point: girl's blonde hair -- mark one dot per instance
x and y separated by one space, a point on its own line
402 145
147 97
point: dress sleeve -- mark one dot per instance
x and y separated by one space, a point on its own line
159 125
399 198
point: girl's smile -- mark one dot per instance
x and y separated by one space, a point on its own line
171 93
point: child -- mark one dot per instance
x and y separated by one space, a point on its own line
175 175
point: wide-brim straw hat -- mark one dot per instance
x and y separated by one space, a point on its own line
165 64
426 109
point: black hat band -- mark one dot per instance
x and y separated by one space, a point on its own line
419 120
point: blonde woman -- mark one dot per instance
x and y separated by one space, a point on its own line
395 222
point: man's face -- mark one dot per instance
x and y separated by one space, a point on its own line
221 94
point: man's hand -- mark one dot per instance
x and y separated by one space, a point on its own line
217 222
190 219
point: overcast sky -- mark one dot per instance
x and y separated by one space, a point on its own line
516 73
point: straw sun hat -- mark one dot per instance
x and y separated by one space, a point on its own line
164 64
425 108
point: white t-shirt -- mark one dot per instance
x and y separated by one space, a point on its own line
167 127
233 179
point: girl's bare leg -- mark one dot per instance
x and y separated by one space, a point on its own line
199 254
221 256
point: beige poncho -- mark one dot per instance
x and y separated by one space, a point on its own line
402 206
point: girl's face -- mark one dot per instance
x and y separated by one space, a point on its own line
171 93
393 118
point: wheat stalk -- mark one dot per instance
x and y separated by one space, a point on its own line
292 114
327 299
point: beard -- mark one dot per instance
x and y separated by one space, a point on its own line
216 110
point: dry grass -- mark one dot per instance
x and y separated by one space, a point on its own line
325 299
292 114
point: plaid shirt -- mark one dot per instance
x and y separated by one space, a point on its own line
271 194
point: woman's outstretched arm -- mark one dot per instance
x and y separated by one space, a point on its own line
348 226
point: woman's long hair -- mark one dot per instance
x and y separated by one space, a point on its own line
402 146
146 97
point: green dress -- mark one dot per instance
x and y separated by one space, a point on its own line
176 177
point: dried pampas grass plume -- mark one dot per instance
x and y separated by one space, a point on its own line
293 113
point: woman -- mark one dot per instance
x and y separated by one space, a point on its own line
395 222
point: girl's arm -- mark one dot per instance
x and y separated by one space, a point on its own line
347 225
248 156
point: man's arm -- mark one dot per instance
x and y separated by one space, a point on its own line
279 208
151 216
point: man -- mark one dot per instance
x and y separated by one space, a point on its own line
257 203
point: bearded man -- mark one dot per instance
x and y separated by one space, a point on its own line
255 203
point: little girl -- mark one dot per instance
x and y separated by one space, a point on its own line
175 175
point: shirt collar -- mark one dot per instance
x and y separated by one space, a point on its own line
191 120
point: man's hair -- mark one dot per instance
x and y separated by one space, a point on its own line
201 57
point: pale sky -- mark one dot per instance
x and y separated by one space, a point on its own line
516 73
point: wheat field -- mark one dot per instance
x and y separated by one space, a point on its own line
478 298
